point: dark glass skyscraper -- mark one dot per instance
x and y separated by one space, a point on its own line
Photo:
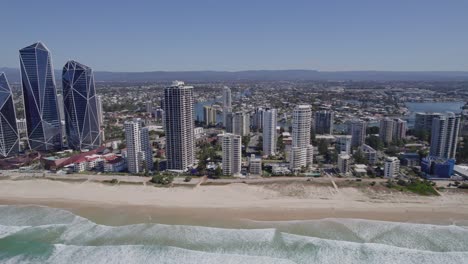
9 138
40 98
82 121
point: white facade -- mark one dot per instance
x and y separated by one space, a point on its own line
255 165
444 136
139 150
209 115
392 167
61 107
301 150
179 126
232 154
227 100
100 112
269 132
344 163
132 137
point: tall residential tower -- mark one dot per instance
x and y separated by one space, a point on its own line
179 125
269 132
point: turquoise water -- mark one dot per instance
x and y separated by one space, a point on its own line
32 234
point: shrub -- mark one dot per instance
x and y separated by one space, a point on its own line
163 179
188 179
114 181
463 186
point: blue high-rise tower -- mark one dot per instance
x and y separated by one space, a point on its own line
9 137
83 124
40 98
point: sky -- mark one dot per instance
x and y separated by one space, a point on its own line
232 35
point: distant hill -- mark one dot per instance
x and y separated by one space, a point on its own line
265 75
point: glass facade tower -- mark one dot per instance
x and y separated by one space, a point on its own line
9 137
40 98
82 121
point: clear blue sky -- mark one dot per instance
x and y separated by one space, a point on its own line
241 34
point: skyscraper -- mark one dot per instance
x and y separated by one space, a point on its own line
227 100
9 137
146 150
399 129
82 121
232 154
61 107
324 122
227 108
99 110
386 130
423 121
269 132
178 109
139 150
301 151
209 115
444 137
357 129
40 98
241 124
257 119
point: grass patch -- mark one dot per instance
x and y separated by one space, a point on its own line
417 186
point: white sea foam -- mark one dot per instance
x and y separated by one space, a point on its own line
61 237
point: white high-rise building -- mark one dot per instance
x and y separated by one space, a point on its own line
209 115
343 163
241 124
343 143
301 150
227 108
227 100
232 154
386 130
444 135
139 150
100 112
132 137
357 129
269 132
61 106
179 125
392 167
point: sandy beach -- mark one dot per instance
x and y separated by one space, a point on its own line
228 204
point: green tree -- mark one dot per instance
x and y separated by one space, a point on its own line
375 142
322 147
359 157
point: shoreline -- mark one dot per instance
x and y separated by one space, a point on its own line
232 205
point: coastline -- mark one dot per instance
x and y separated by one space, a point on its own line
233 205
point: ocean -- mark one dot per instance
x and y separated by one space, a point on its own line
36 234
